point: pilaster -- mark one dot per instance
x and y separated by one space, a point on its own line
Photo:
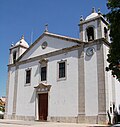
7 92
15 90
101 84
81 86
99 29
81 32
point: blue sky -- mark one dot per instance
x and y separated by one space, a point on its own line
24 17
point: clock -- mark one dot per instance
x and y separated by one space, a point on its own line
90 51
44 45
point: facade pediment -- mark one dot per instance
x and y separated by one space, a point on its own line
47 43
42 87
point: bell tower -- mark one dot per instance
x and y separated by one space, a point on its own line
93 27
17 50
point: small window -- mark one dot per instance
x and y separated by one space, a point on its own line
62 70
90 33
43 73
14 56
28 76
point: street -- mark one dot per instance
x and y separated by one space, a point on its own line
19 123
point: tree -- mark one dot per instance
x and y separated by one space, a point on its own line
114 52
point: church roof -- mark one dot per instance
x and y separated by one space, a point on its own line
22 42
92 15
62 37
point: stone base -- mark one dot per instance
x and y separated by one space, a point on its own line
63 119
98 119
26 118
91 119
102 118
87 119
81 118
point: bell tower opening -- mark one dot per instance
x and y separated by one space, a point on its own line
90 33
14 56
105 32
93 27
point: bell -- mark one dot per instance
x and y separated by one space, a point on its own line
91 38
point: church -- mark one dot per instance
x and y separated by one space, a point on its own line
63 79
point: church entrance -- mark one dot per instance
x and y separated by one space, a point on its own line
43 106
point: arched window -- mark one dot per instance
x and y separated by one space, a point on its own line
14 56
105 32
90 33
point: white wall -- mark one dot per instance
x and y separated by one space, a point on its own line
112 85
22 50
109 81
64 94
91 84
11 91
117 87
26 93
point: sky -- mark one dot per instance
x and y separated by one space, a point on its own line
28 18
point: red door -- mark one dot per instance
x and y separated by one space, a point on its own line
43 106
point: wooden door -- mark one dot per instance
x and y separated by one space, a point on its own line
43 106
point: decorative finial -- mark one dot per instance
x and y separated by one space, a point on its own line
12 45
99 11
93 10
22 37
46 27
81 18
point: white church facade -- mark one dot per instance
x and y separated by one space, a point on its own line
63 79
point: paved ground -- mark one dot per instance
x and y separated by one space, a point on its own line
18 123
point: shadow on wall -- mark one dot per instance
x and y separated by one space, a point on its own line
32 100
87 58
37 71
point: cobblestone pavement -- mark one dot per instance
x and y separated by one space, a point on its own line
18 123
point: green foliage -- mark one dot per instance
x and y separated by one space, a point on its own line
114 52
2 108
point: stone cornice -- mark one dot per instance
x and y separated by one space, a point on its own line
93 19
58 52
76 40
97 41
18 46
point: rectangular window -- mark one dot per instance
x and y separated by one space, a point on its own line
43 73
28 76
62 69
